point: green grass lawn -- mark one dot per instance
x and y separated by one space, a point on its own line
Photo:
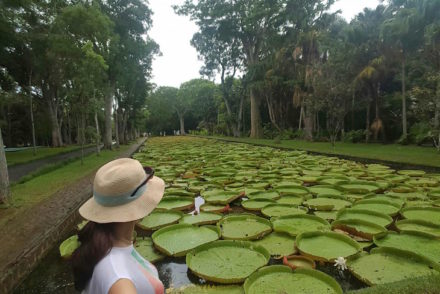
391 152
27 155
425 285
31 192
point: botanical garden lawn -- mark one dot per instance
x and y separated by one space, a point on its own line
425 285
35 190
414 155
27 155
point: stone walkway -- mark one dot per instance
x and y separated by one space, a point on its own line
16 172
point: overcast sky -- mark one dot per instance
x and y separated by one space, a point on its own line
173 33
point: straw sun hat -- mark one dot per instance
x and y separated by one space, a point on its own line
123 191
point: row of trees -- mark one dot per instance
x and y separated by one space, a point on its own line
308 73
69 69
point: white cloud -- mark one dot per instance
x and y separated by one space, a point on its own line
173 33
350 8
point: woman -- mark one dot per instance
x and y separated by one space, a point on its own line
106 262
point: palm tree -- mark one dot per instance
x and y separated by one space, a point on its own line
370 77
403 30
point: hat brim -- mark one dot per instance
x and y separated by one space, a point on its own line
137 209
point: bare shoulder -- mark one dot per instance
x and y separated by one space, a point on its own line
123 286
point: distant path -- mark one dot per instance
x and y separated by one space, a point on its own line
16 172
27 238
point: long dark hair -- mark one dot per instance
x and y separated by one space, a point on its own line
96 241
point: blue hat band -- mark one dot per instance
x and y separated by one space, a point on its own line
119 199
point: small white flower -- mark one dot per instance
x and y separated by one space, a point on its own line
340 263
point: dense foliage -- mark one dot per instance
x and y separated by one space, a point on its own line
67 67
291 69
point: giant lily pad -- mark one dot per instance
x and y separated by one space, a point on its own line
359 228
277 279
256 204
214 207
278 244
182 193
144 245
206 289
158 219
326 246
423 182
418 226
379 205
244 227
387 265
292 190
220 196
378 218
68 246
263 195
431 214
297 224
335 180
328 215
176 203
282 209
226 262
417 242
359 187
177 240
291 199
326 204
411 173
325 190
202 218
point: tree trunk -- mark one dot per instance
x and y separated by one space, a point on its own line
9 129
239 118
377 101
69 129
182 124
301 115
404 126
271 110
367 123
108 106
56 134
83 137
34 148
343 128
124 132
437 108
308 127
352 109
98 135
78 131
256 127
116 128
4 178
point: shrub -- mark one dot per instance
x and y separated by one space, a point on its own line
354 136
420 133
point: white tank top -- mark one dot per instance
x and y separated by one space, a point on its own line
124 263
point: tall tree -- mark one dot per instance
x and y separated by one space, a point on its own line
253 24
129 55
403 30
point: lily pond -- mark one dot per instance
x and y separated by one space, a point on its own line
239 218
